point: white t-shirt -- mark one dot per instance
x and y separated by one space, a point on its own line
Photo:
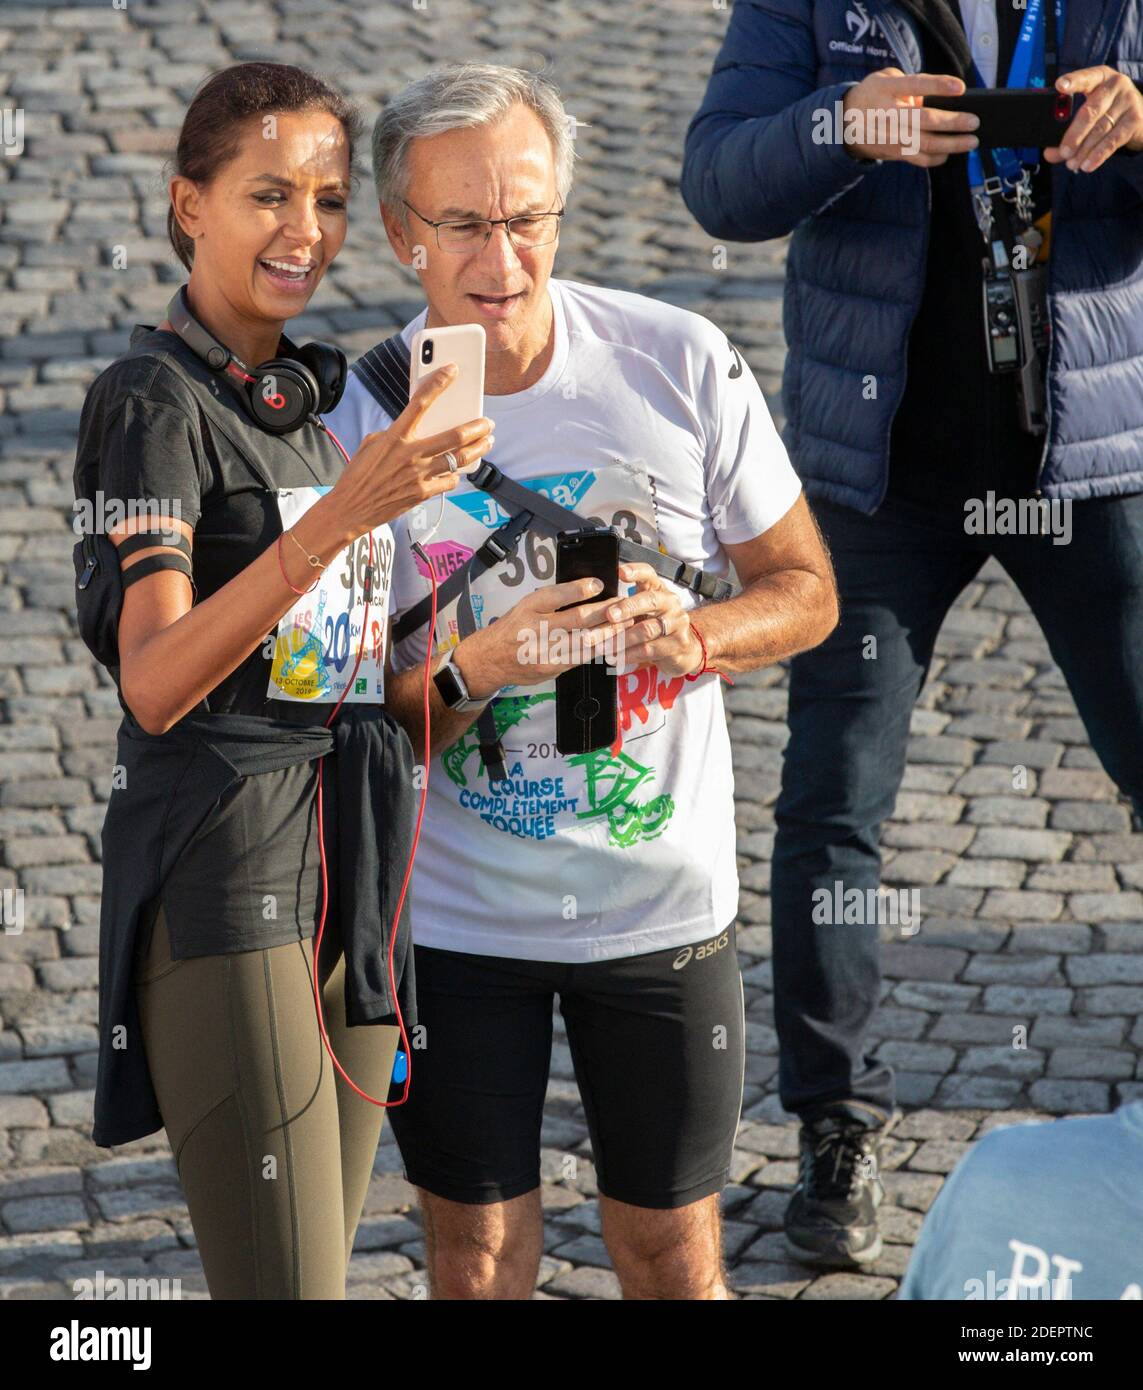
648 418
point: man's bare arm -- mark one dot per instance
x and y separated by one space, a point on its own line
788 602
404 699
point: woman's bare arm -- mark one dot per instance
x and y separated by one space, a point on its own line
172 654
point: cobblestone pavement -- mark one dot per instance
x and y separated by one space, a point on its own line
1033 900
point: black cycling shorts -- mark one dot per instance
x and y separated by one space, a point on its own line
657 1042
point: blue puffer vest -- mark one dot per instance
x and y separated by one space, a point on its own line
857 257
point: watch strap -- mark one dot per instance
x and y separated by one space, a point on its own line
448 677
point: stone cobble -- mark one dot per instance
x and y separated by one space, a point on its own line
1017 998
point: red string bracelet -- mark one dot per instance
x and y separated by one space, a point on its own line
705 667
286 577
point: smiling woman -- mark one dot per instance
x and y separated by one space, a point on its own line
261 143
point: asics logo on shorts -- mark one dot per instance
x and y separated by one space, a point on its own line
700 952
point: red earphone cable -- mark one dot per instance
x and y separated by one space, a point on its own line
384 1104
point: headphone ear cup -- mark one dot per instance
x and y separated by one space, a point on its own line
330 367
283 394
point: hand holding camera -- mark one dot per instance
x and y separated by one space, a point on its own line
918 134
1110 119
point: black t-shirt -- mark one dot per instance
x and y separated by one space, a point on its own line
159 426
957 433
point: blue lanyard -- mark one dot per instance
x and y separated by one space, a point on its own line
1028 69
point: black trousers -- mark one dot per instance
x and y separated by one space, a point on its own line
899 572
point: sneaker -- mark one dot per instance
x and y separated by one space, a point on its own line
832 1215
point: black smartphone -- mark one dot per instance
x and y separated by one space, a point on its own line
1035 117
586 696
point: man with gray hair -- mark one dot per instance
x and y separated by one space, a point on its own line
607 879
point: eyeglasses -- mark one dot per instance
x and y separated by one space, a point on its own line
527 230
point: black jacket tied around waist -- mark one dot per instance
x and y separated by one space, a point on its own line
167 787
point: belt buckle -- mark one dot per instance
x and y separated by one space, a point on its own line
496 546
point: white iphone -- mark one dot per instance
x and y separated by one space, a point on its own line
463 399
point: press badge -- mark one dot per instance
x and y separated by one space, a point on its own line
315 646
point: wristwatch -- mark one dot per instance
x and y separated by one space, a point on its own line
452 689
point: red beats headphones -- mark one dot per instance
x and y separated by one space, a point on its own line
282 394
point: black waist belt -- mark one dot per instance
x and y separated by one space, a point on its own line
167 788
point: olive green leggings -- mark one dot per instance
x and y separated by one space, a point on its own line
273 1149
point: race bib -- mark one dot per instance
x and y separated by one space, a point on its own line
617 495
615 790
316 644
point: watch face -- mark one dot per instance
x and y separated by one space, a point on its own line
448 683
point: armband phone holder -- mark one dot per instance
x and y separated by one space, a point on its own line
98 597
100 582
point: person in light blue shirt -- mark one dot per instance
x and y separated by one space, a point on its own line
1051 1211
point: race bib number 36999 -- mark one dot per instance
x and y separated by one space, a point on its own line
315 647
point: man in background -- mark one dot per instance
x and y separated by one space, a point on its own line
909 433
